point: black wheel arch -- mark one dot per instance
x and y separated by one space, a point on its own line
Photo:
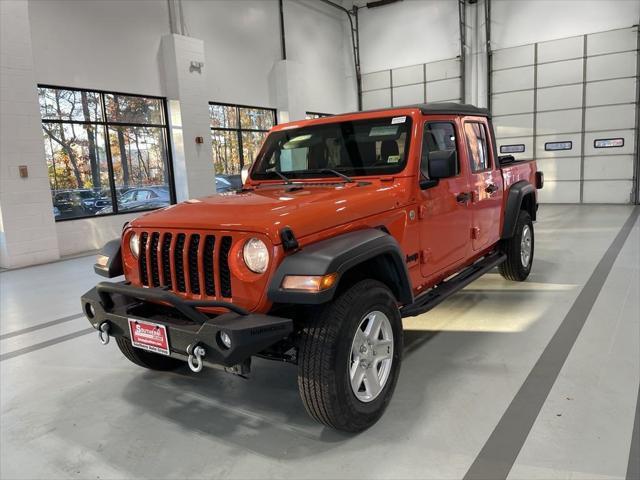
370 253
521 196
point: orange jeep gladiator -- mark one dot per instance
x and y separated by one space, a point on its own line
343 226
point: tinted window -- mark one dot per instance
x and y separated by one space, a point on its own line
438 136
477 144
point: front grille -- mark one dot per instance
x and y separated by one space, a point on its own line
190 263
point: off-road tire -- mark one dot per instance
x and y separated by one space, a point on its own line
325 353
152 361
512 268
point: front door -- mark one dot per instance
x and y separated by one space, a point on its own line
486 186
445 214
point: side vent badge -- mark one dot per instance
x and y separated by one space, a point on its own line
289 241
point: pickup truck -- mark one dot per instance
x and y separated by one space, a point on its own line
343 226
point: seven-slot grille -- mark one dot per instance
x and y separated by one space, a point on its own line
192 263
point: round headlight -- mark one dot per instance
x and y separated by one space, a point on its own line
256 255
134 245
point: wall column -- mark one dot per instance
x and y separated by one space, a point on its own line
286 86
186 91
27 227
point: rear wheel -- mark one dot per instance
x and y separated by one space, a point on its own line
519 250
350 357
142 358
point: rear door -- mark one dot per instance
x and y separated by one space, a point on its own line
485 184
445 215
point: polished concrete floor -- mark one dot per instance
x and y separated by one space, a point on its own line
519 380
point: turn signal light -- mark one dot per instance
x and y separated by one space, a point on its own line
309 283
102 260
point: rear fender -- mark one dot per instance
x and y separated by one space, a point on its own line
521 197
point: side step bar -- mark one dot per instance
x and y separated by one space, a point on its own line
430 299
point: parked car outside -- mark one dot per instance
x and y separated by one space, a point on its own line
227 183
140 198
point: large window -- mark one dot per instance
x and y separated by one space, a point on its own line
106 153
237 132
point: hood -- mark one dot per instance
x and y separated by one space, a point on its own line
306 209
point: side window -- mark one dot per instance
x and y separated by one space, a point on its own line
477 145
438 136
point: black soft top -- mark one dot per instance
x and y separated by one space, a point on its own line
442 108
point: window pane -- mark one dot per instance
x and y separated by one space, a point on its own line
77 165
127 109
223 116
251 143
256 118
226 151
364 147
140 167
438 136
57 104
477 143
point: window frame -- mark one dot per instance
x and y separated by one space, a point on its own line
105 124
239 129
487 147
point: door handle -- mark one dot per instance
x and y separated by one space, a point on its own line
491 189
463 197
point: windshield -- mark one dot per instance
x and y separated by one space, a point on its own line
365 147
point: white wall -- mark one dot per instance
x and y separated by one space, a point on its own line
108 45
517 23
408 33
27 230
242 44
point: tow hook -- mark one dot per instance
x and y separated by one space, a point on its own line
103 332
195 357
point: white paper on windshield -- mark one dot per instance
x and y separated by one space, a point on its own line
381 131
398 120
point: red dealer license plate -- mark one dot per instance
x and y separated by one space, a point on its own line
149 336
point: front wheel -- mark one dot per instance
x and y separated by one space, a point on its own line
350 357
519 250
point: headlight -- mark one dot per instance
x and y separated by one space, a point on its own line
134 245
256 255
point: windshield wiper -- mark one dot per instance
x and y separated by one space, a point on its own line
335 172
287 180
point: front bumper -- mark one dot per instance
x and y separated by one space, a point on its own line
250 333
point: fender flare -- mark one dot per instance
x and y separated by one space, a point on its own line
112 263
517 193
339 255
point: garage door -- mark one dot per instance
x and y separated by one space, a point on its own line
426 82
572 105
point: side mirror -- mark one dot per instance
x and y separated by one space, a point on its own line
244 174
443 164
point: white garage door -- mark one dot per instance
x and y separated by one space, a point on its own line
572 105
426 82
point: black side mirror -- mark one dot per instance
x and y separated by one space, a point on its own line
443 164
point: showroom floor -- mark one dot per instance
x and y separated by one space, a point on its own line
485 390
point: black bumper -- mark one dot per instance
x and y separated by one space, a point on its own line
250 333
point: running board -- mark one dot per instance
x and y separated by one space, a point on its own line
428 300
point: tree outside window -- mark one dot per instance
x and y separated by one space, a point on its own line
99 146
237 133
